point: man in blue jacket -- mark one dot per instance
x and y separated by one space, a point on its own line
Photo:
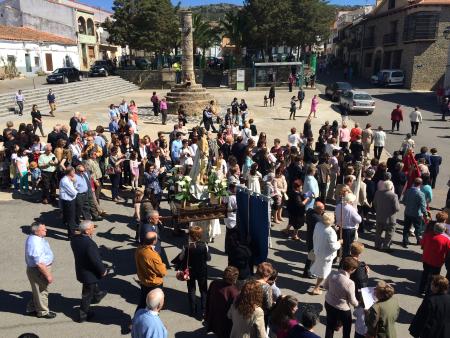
415 208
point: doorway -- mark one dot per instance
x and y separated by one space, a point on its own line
49 62
28 63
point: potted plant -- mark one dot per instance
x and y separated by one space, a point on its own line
217 188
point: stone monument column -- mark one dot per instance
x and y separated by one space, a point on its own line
187 46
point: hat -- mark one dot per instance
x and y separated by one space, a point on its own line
349 198
439 228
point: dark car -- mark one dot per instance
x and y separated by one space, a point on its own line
102 68
142 63
335 90
65 75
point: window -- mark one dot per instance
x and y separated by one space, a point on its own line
37 62
421 26
81 25
391 4
90 27
368 60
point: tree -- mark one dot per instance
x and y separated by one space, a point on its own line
204 35
150 25
266 23
233 27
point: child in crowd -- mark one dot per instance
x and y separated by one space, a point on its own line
84 124
265 100
36 176
134 167
253 128
293 108
276 292
138 195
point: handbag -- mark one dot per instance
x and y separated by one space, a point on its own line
184 275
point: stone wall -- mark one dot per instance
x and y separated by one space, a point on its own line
149 79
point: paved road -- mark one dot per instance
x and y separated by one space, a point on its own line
115 234
432 132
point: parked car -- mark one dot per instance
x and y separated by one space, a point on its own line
142 63
353 101
389 77
102 68
335 90
65 75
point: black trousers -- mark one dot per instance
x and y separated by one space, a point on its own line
333 317
48 185
143 295
377 151
433 177
36 126
309 246
155 108
82 207
395 124
89 294
203 287
348 235
209 123
69 214
427 274
414 128
290 87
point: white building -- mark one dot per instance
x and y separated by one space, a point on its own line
33 50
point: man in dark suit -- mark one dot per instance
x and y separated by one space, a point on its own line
53 136
134 139
89 268
238 151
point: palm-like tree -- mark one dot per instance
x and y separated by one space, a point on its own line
204 35
233 27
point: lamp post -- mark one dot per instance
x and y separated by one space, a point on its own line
446 34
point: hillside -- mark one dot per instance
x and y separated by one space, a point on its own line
214 12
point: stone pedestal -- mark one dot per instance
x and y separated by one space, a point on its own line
194 97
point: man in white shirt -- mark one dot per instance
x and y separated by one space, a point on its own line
67 197
19 100
294 139
348 218
330 146
39 259
415 117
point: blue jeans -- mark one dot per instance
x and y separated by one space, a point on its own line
115 182
417 221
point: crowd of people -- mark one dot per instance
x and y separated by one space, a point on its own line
303 176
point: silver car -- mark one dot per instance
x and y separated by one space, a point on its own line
354 100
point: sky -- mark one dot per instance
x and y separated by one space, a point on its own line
184 3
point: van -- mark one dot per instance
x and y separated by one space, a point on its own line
389 77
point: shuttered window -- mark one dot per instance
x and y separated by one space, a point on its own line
421 26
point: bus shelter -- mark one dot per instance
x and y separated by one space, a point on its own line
266 74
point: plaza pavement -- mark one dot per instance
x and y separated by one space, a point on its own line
115 236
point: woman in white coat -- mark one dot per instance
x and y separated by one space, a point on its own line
325 246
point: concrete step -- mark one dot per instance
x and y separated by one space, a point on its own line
90 94
62 88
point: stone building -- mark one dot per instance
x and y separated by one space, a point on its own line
401 34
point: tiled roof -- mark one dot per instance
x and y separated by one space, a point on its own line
29 34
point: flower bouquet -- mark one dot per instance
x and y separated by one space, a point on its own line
183 190
217 188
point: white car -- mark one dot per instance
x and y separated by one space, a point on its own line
389 77
353 100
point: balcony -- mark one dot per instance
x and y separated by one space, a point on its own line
390 39
369 42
